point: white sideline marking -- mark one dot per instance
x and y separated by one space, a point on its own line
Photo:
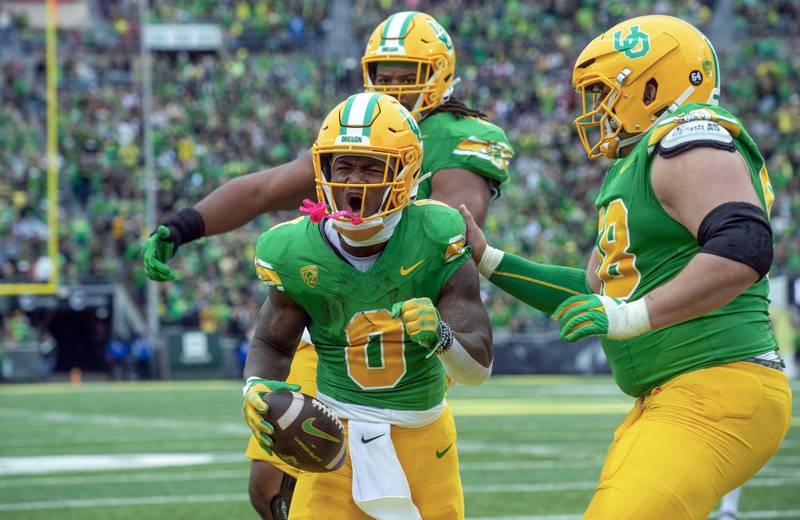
577 486
124 501
75 463
124 479
127 421
783 514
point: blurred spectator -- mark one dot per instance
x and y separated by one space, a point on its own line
142 355
260 101
118 359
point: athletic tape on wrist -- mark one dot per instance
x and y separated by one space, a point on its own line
490 259
627 319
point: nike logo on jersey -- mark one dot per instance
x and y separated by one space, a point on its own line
440 454
367 441
308 427
405 272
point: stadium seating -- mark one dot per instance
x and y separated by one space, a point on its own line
252 106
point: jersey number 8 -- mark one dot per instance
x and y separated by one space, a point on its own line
617 271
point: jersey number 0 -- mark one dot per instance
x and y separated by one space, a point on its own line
375 350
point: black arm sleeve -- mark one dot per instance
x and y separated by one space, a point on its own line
738 231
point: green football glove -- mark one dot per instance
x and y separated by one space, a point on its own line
587 315
421 321
253 407
159 248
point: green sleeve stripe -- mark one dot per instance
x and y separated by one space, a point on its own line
540 282
543 287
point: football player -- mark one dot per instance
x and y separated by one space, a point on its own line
408 56
676 286
390 296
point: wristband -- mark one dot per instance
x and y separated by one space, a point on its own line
185 226
490 259
626 319
445 338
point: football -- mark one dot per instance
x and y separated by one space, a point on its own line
307 434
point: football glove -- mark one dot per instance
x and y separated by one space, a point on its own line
159 248
587 315
421 321
253 407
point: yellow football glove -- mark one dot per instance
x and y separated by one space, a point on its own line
421 320
254 407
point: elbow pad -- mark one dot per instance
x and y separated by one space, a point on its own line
739 231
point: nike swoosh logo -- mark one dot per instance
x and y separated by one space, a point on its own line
440 454
367 441
308 427
404 272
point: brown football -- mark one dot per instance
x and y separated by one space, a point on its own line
307 434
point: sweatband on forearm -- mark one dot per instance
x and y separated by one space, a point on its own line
462 367
541 286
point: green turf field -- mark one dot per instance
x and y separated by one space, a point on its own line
530 447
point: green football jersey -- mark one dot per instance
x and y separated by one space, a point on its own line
463 142
642 247
364 354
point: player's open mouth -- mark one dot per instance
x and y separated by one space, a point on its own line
354 203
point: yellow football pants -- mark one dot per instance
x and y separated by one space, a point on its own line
692 440
303 372
429 459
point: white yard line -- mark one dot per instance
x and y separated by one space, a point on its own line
124 501
125 421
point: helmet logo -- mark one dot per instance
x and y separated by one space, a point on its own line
635 45
441 34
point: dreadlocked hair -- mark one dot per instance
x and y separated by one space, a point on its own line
457 107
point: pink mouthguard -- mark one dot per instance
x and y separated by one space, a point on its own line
317 211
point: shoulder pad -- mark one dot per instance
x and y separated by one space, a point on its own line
694 134
271 250
444 226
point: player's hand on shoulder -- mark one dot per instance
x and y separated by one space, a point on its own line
254 407
421 320
158 249
475 236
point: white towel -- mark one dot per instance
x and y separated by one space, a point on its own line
380 487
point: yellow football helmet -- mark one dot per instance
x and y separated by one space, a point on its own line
374 125
413 38
612 73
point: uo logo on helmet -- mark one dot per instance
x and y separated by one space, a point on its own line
635 45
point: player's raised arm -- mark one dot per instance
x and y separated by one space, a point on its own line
280 324
541 286
229 207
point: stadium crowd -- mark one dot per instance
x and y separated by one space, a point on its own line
253 105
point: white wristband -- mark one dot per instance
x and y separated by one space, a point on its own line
627 319
490 259
462 367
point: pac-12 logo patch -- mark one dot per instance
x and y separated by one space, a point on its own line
310 274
